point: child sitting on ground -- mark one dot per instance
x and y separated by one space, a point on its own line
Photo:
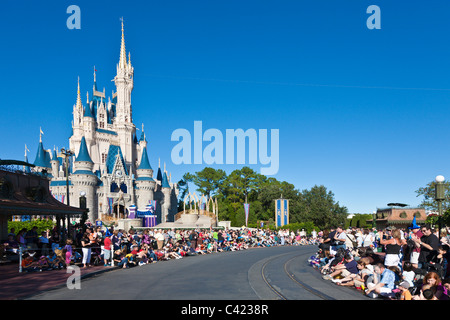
44 264
28 264
405 294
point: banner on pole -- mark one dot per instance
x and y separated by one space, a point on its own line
278 213
110 204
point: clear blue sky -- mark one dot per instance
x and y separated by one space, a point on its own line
363 112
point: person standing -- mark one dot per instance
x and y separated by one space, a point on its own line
69 251
429 244
416 235
31 238
159 237
393 248
107 251
86 249
193 237
44 243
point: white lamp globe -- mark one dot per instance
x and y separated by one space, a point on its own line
440 179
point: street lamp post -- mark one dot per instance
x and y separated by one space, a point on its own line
67 154
374 219
439 197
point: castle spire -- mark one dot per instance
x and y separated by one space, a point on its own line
123 53
95 79
79 104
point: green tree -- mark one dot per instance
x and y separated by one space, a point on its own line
428 202
428 194
321 208
209 180
183 187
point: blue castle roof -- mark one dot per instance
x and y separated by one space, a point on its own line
83 154
143 137
88 111
42 157
55 156
145 164
27 168
165 181
159 174
111 158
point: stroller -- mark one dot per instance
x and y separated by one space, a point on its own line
96 257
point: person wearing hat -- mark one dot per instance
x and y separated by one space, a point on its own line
415 236
404 289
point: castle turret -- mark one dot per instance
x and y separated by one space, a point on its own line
89 123
123 119
144 182
84 181
42 161
55 164
159 176
166 206
78 113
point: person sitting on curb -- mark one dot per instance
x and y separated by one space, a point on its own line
347 269
384 285
359 280
28 263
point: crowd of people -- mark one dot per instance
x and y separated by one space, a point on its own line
404 264
396 264
97 245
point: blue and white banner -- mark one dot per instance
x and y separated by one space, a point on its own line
285 212
110 204
278 213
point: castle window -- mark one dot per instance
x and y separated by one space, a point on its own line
114 187
123 187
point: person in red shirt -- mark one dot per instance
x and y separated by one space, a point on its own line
107 251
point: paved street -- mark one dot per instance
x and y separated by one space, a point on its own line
253 274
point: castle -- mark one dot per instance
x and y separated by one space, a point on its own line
111 167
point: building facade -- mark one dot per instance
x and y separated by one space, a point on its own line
396 217
110 167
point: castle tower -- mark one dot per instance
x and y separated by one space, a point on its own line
55 164
78 112
42 161
123 121
144 182
166 205
84 181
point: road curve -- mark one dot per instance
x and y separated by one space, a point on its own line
275 273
